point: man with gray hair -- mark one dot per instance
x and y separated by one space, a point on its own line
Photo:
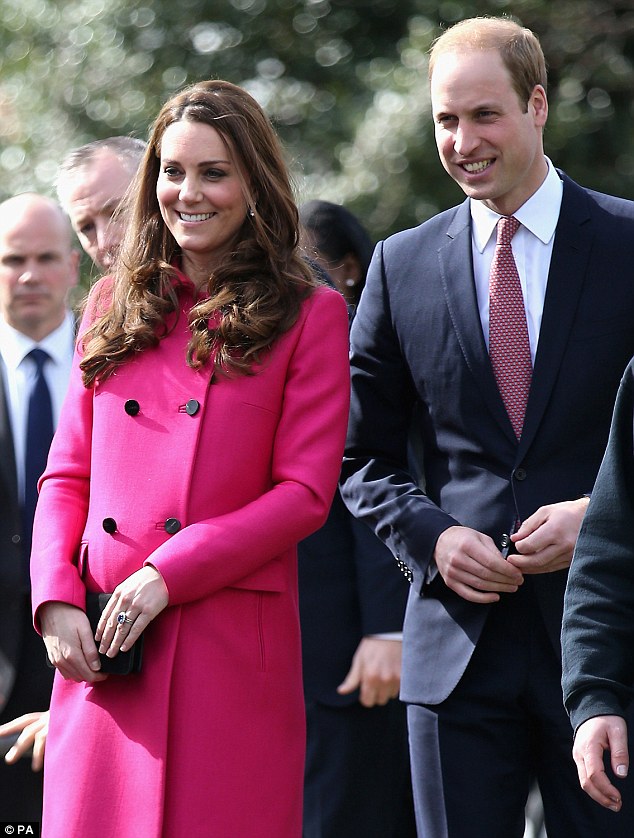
91 182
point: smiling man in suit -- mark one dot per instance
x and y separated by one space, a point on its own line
38 267
503 358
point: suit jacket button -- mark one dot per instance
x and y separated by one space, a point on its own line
192 407
16 539
132 407
520 474
109 525
172 525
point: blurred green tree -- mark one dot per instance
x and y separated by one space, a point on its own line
344 82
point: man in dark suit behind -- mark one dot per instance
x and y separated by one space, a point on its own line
38 266
91 183
351 607
489 537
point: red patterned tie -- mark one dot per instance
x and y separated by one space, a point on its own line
509 346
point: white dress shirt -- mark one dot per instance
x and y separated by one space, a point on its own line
19 376
532 247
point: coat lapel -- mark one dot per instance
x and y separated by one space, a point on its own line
456 272
571 250
7 461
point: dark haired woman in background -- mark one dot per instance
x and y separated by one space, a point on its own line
339 243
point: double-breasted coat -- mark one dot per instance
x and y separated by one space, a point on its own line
213 480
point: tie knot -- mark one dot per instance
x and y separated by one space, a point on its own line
508 225
39 356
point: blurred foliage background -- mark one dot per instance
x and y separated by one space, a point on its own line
344 82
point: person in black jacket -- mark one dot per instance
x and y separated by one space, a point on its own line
598 624
352 602
38 269
91 182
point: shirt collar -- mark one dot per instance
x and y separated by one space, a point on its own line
15 346
539 214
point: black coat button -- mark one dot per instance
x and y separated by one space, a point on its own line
109 525
132 407
172 525
192 407
520 474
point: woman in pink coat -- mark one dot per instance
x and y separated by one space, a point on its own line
201 439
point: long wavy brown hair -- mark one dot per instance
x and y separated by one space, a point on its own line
252 297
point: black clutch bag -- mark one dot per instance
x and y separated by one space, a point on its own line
125 663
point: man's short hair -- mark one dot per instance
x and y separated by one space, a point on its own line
519 49
128 150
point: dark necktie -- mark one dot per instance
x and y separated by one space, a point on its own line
509 347
39 433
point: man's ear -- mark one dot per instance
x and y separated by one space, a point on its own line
539 103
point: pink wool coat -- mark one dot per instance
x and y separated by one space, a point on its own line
213 482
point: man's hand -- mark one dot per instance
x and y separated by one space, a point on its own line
546 540
33 730
69 642
602 733
375 671
473 567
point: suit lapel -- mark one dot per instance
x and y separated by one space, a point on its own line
456 272
571 249
11 570
8 473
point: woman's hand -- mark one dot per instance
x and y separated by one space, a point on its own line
69 642
140 598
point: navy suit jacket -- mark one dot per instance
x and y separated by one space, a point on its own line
421 374
13 579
